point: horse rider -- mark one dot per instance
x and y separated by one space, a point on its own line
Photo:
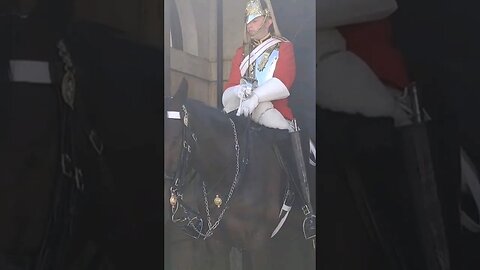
262 73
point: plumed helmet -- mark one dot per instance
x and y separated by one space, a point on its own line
254 9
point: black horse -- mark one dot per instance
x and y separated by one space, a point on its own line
363 199
236 188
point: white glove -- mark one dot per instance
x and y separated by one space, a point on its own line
245 90
248 105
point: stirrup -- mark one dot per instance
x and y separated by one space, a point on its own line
288 200
309 227
285 210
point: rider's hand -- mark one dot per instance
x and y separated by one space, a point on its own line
244 91
249 105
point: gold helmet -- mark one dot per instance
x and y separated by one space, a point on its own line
255 9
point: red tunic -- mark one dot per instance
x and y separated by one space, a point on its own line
284 71
372 42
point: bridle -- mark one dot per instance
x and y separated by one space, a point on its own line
178 176
193 222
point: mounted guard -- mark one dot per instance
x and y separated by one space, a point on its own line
262 73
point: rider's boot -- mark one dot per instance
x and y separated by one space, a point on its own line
290 150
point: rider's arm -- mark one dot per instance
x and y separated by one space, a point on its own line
285 70
278 87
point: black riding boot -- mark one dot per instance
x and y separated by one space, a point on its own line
287 150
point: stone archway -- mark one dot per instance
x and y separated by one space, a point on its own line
188 25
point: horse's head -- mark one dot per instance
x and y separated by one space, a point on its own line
173 129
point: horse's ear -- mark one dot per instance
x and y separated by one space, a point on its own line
182 92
